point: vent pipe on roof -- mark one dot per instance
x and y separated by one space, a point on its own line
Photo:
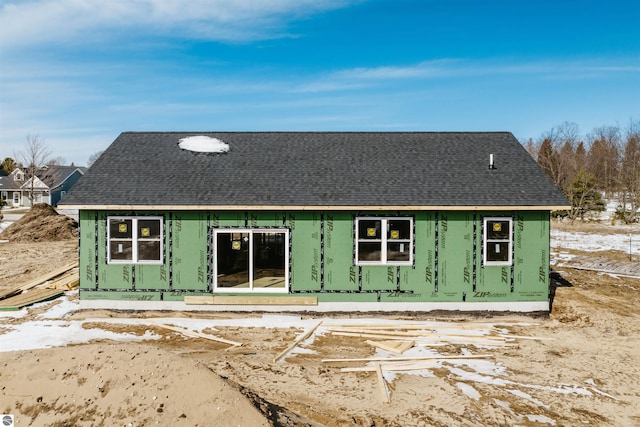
491 165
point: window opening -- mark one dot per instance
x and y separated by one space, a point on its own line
135 240
498 240
384 241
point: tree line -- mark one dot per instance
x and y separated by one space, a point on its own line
604 164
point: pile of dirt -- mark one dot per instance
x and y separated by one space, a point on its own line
41 224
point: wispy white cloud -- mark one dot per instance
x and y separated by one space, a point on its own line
369 77
51 21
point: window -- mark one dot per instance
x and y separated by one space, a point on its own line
497 240
135 240
249 260
384 241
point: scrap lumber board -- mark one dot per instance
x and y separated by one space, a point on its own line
48 276
396 347
37 281
391 333
16 302
403 358
9 293
296 342
193 334
249 300
383 384
391 368
68 281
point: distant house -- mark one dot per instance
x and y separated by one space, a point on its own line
59 180
316 221
50 185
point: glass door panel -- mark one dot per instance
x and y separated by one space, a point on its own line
233 260
269 260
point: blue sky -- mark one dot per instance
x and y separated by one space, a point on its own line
77 73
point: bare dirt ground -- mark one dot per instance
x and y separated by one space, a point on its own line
590 341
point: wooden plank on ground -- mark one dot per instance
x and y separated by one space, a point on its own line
391 367
27 298
48 276
9 293
296 342
383 384
194 334
16 290
405 358
250 300
69 280
390 333
396 347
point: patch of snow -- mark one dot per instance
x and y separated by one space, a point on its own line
57 333
592 242
203 144
540 419
468 391
487 379
561 256
528 397
13 314
504 405
60 307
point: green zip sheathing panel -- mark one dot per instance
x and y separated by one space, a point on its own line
228 219
339 272
120 296
493 283
455 255
150 277
180 294
420 279
189 259
531 256
376 278
111 276
88 248
266 219
305 248
418 283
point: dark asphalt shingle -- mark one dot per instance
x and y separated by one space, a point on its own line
318 169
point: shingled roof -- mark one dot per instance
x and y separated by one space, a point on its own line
323 170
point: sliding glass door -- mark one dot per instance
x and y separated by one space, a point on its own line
247 260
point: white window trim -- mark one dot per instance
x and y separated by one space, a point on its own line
485 241
250 289
134 240
384 241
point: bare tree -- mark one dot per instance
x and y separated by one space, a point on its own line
34 156
604 157
556 154
57 161
629 192
94 157
531 147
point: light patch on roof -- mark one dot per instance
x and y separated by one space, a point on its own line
203 144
